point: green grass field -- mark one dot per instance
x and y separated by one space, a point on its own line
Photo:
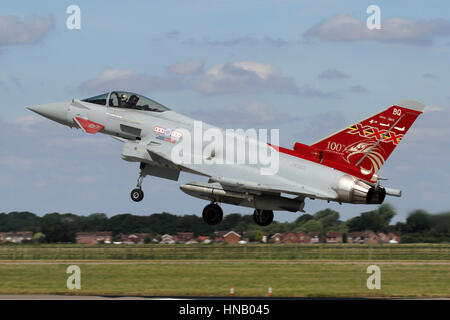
348 252
421 270
209 278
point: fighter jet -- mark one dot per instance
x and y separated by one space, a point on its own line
342 167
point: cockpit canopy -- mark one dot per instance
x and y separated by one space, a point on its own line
127 100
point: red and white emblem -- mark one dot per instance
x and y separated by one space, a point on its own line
88 125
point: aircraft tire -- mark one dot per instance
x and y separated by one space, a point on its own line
212 214
263 217
137 195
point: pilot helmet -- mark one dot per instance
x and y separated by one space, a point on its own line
123 97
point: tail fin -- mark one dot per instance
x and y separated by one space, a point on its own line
367 144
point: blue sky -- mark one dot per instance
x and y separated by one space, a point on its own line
323 76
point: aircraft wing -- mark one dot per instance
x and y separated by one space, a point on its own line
249 186
243 178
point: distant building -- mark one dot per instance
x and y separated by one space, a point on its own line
16 237
370 237
393 238
134 238
314 237
388 238
289 237
218 236
167 239
264 238
203 239
93 237
366 237
334 237
383 237
231 237
184 237
303 237
276 237
355 237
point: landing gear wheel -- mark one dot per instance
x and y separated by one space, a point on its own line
263 217
212 214
137 195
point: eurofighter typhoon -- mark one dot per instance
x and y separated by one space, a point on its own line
242 169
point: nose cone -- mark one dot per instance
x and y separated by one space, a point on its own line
54 111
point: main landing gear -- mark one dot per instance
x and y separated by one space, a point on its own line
263 217
137 194
212 214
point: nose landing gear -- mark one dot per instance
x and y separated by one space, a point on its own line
137 194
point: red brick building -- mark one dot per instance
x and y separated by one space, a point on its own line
276 237
314 237
334 237
93 237
231 237
134 238
393 237
203 239
355 237
289 237
183 237
303 237
16 237
167 239
367 237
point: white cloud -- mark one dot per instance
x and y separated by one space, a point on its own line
14 31
17 162
433 126
263 71
309 92
188 67
118 79
331 74
428 75
433 108
28 123
394 30
233 77
244 77
239 41
254 113
358 89
172 34
318 126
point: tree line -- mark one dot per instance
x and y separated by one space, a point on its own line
420 226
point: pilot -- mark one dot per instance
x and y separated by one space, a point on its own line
132 102
123 100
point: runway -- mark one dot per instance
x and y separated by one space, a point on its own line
45 297
76 297
187 262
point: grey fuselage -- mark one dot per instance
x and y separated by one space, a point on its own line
235 183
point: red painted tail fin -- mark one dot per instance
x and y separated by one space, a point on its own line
366 145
